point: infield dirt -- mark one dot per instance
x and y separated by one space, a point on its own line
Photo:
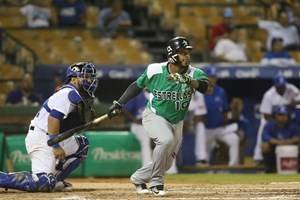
92 189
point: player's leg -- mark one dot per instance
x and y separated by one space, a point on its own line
268 151
76 149
42 161
233 142
176 145
140 133
200 143
210 142
161 132
257 150
27 181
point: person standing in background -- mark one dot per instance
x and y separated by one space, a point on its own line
281 93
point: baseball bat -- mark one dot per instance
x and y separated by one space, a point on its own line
62 136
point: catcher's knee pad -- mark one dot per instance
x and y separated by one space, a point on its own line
73 161
26 181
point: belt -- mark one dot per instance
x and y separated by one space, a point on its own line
31 128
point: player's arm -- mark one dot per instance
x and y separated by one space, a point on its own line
204 86
132 91
53 130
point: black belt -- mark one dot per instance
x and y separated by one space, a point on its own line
31 128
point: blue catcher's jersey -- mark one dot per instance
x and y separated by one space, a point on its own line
216 105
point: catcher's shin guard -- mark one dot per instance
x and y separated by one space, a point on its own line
26 181
73 161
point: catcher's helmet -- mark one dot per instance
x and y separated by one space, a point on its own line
87 71
174 45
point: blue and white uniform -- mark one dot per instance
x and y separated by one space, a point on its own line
68 106
59 105
217 105
270 99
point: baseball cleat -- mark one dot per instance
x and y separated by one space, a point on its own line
158 190
141 188
63 186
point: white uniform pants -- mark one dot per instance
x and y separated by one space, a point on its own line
257 150
231 139
200 142
41 155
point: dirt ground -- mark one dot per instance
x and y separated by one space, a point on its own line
92 189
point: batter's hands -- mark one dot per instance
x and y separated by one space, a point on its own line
180 78
114 110
59 153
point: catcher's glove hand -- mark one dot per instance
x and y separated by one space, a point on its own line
114 109
180 78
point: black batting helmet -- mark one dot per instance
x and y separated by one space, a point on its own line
174 45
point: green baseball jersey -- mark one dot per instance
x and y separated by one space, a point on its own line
168 98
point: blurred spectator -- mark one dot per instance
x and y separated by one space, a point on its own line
280 131
220 29
281 29
277 56
281 93
230 49
23 95
217 126
70 12
38 16
279 6
114 20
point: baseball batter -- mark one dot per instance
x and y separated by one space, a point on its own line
65 109
171 85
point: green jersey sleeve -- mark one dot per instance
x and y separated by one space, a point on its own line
143 80
199 75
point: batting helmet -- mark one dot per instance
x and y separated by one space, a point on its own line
174 45
87 71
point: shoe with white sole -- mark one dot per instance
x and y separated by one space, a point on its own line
141 188
63 186
158 190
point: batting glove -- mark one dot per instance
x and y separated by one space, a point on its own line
181 78
114 110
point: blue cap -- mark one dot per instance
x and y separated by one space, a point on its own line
280 110
279 80
210 71
227 13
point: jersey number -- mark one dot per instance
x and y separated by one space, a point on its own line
181 105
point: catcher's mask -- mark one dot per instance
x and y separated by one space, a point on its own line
87 72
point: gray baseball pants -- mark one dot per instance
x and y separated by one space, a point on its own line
167 138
